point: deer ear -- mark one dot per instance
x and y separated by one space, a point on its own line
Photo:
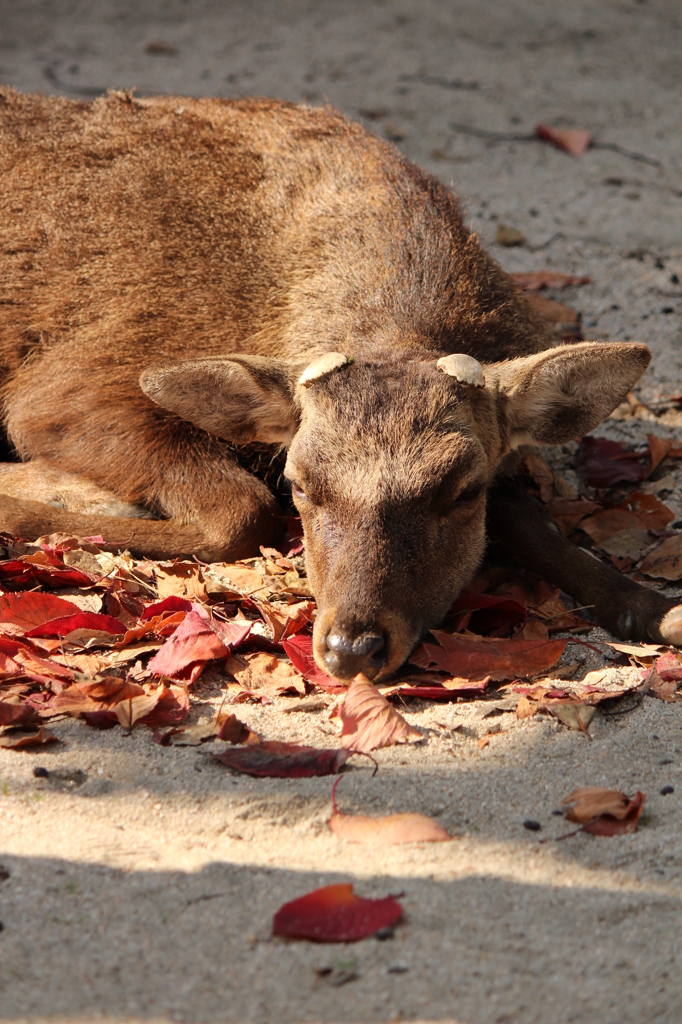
562 393
241 398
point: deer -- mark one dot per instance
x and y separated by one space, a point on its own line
184 281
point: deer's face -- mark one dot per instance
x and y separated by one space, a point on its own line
389 469
389 461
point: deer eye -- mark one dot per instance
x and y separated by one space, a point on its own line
298 492
465 497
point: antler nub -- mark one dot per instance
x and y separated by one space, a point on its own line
463 368
322 367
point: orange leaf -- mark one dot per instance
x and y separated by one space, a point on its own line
369 721
571 140
474 657
604 812
388 830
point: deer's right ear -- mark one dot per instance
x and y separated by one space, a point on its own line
241 398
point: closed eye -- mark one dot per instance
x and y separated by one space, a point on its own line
466 497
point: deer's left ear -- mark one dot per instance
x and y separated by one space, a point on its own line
562 393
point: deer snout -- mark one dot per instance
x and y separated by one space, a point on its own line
347 654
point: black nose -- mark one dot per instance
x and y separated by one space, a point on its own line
346 655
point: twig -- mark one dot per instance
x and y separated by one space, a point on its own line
444 83
615 148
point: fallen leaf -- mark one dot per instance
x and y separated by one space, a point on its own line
299 650
668 666
488 614
638 512
369 721
89 622
130 711
169 604
20 571
658 449
287 620
603 463
663 689
538 279
571 140
24 741
603 812
272 759
335 914
19 612
194 642
246 581
628 544
444 689
171 708
568 512
541 474
180 579
233 730
265 671
554 312
665 562
509 236
573 714
388 830
18 714
474 657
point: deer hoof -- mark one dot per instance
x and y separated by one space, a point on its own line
670 628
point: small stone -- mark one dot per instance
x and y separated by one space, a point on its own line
398 969
508 236
666 760
40 772
667 789
384 933
558 813
532 825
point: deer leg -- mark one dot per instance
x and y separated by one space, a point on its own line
223 522
521 532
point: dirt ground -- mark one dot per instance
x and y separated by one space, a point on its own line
141 880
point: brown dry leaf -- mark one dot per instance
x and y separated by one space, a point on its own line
555 312
130 711
15 740
541 474
573 714
286 620
569 512
628 544
603 811
387 830
658 449
245 580
538 279
666 561
369 721
638 512
180 579
266 672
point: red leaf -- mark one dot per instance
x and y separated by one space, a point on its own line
369 721
80 620
100 719
26 610
488 614
571 140
299 651
472 657
169 604
283 760
31 663
603 463
18 572
193 641
669 668
463 688
335 914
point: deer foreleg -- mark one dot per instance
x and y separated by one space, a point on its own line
522 532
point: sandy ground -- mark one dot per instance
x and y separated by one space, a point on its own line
141 881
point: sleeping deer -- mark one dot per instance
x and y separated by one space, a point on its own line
181 278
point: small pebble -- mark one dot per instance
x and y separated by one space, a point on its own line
532 825
667 789
398 969
384 933
558 813
40 772
666 760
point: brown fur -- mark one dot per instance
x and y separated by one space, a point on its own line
168 268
